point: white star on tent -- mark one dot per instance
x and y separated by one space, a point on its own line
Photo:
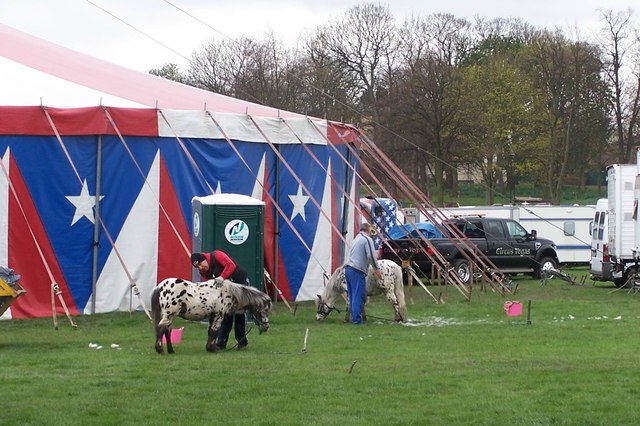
84 204
299 202
218 188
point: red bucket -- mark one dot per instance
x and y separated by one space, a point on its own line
513 309
176 336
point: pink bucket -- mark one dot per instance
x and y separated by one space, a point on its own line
176 336
513 309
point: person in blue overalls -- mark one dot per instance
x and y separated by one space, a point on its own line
361 255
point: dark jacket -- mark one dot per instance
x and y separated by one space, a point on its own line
221 265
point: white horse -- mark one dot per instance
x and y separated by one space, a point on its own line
198 301
390 285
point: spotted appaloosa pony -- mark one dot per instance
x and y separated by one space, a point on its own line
198 301
390 285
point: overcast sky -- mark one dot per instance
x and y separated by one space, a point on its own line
95 26
146 34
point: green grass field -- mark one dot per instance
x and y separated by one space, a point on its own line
454 363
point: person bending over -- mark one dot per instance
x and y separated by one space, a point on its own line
221 266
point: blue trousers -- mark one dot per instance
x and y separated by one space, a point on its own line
357 292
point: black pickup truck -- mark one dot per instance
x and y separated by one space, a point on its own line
504 241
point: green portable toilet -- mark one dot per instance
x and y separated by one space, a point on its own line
232 223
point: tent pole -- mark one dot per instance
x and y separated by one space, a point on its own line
345 210
276 229
96 227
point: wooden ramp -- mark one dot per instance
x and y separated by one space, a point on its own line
9 294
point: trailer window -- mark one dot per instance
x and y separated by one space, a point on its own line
569 228
601 226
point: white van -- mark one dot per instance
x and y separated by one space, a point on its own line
600 267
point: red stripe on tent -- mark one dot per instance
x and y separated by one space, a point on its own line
30 120
172 259
335 240
135 121
269 232
35 279
339 133
269 243
283 279
24 121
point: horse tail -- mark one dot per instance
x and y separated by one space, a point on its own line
398 289
159 318
155 306
162 328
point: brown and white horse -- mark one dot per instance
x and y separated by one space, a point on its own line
390 285
195 301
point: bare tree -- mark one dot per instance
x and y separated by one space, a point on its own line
328 89
362 43
531 111
432 48
257 71
170 72
566 74
620 49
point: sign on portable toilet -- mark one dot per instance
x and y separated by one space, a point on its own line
232 223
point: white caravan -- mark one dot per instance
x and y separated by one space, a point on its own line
620 211
568 226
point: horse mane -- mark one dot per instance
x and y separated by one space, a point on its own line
246 296
334 287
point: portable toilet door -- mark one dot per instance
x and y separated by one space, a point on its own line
232 223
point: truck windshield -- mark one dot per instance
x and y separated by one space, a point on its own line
516 230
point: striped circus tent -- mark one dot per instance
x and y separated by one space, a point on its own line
97 198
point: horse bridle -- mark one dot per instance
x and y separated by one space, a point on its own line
323 306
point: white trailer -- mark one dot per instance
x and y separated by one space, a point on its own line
503 212
568 226
620 222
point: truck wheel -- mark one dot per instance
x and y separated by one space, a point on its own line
545 264
462 268
619 282
628 278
